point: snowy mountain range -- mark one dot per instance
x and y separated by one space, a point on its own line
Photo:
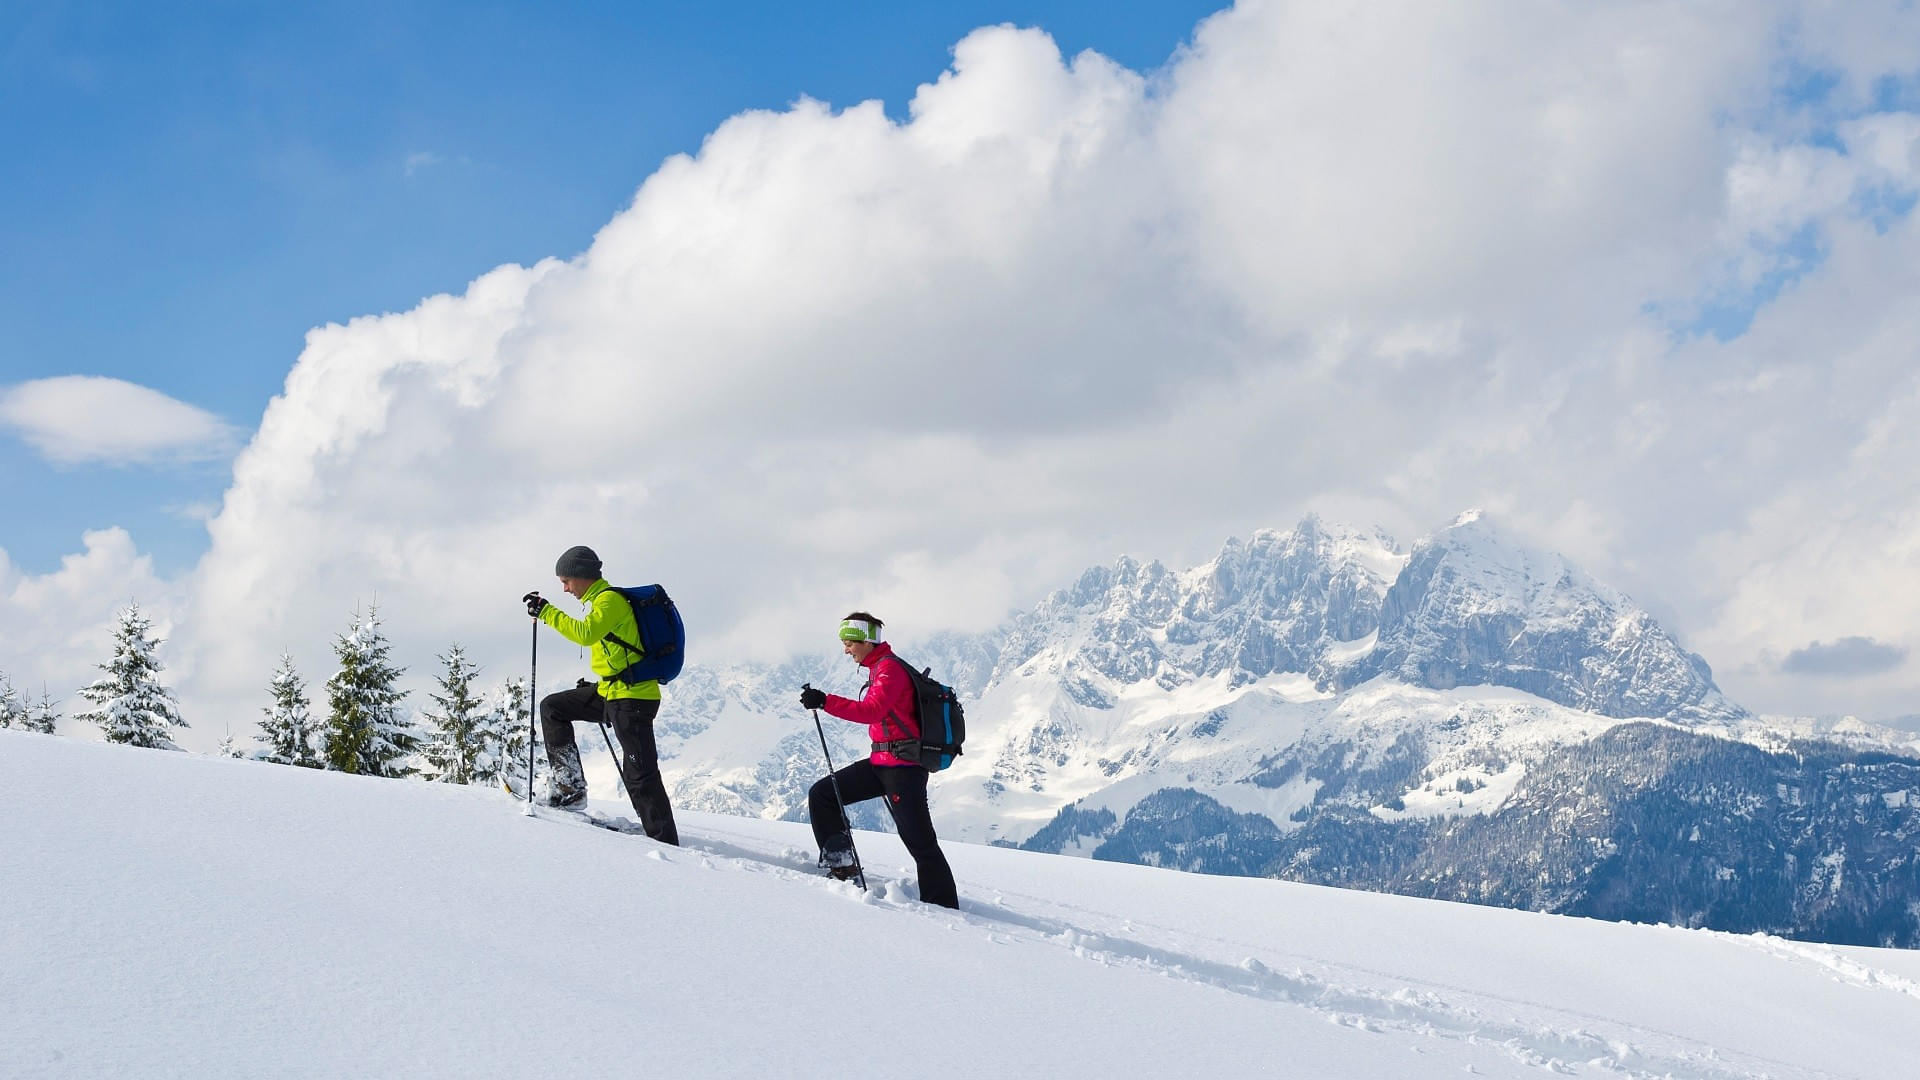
1469 719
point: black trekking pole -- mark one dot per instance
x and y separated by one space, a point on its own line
533 687
619 784
859 871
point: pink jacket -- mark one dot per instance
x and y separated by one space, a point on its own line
886 708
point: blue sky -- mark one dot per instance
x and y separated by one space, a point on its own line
190 188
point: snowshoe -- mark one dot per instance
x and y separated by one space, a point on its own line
567 800
840 862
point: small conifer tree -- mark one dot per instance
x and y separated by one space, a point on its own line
13 708
366 732
130 704
42 716
456 736
504 759
287 734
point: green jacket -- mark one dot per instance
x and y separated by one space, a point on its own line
607 613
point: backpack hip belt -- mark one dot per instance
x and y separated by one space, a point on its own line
904 749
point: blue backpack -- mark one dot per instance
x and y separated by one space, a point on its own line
943 725
663 637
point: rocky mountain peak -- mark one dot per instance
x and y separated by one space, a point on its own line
1468 605
1473 606
1266 604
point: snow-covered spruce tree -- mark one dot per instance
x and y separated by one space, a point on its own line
42 716
455 737
130 704
504 757
13 708
286 735
366 732
229 748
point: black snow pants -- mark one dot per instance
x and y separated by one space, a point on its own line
905 789
632 721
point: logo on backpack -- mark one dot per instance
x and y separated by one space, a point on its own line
943 725
663 637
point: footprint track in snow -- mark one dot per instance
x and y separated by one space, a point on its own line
1409 1009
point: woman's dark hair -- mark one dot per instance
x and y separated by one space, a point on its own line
867 618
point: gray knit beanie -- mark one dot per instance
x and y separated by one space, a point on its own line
578 562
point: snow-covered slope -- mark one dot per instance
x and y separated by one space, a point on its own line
196 916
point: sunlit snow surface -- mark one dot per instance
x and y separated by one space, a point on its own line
173 915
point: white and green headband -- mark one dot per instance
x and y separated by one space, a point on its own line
858 630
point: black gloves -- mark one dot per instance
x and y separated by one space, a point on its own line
535 604
812 699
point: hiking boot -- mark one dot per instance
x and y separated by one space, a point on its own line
567 786
840 862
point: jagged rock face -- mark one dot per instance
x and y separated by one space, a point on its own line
1472 609
1273 603
962 661
1116 605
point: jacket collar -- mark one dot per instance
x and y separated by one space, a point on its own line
881 650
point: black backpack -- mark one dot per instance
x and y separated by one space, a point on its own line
663 637
943 725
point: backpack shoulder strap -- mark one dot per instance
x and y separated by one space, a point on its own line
616 638
913 695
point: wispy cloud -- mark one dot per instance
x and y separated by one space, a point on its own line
91 419
419 160
1845 658
198 512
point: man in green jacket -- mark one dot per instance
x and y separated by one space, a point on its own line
608 629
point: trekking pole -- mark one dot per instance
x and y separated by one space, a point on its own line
603 723
859 871
618 783
533 687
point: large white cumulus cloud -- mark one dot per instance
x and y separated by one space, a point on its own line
1384 260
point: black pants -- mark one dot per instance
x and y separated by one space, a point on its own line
905 790
632 721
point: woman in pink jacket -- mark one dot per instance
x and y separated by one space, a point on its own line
887 708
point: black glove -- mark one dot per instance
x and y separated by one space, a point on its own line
812 699
535 604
